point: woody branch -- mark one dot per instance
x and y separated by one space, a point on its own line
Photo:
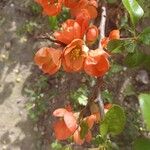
100 79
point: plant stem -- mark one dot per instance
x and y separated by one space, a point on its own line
100 79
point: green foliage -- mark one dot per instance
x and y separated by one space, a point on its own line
2 20
134 9
129 90
113 122
107 96
57 146
84 129
144 37
27 28
35 8
38 100
146 7
115 68
80 96
64 15
136 59
141 144
53 22
118 46
98 140
144 100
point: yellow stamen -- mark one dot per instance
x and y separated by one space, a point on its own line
76 53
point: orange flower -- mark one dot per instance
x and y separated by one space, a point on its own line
61 130
91 34
89 5
88 137
96 64
71 3
70 30
74 55
104 42
77 138
107 105
114 34
50 7
90 120
48 59
83 18
60 112
66 127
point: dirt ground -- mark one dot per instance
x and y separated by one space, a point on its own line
16 52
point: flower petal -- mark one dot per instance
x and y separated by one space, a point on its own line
59 112
61 130
70 121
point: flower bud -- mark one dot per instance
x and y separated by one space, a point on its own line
91 34
114 34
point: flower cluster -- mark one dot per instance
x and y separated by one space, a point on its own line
76 34
68 124
75 37
53 7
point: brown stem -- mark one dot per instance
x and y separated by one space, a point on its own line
100 79
99 98
50 38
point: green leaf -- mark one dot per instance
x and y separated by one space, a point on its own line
129 46
56 146
141 144
144 37
80 96
107 96
134 9
53 22
84 129
144 100
134 59
83 100
117 46
104 129
114 121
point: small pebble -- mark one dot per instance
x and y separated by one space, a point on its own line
4 147
11 5
35 129
16 71
124 68
142 77
3 56
18 80
7 45
20 113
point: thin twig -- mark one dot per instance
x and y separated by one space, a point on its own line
102 24
50 38
99 98
100 79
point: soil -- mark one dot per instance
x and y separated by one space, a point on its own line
16 52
